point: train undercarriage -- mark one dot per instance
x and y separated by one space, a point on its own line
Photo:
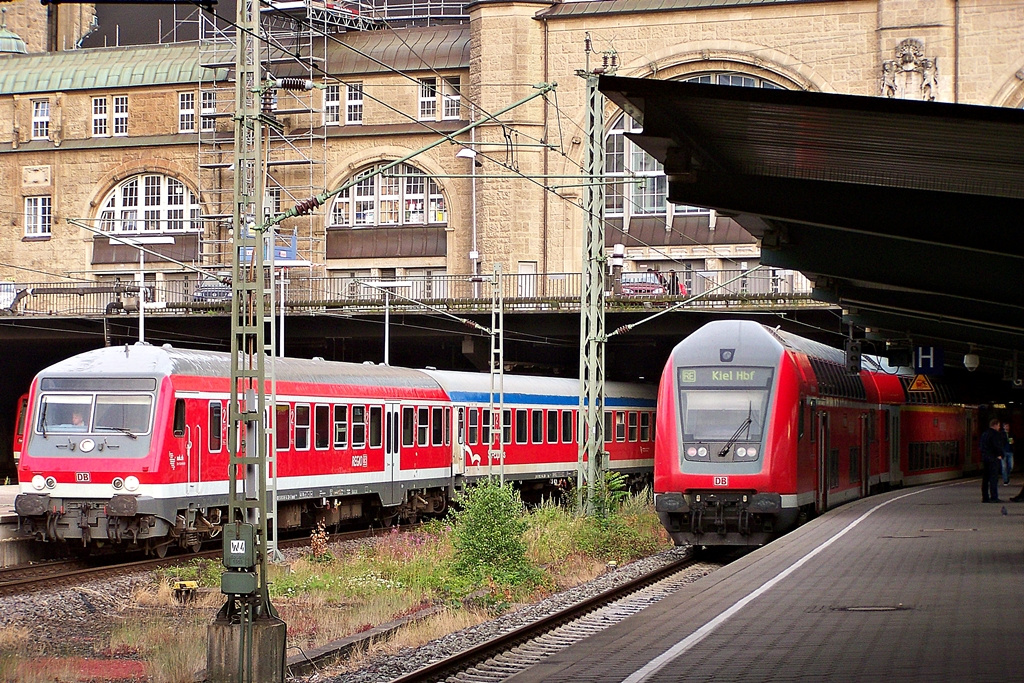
736 518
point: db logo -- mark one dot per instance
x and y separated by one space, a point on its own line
721 481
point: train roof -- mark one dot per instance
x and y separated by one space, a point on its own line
475 387
160 361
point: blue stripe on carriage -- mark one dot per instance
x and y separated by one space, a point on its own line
539 399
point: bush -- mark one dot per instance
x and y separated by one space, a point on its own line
487 535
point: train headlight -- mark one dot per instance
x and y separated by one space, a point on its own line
118 483
752 452
691 451
702 451
51 483
741 452
131 483
38 483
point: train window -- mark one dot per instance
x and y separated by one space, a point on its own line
552 426
283 413
358 426
462 425
538 426
215 426
645 426
423 426
376 426
609 431
620 426
485 427
408 426
438 427
474 426
302 427
522 426
448 426
506 426
340 426
179 417
567 433
322 427
632 426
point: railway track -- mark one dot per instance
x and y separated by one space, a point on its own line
29 578
517 650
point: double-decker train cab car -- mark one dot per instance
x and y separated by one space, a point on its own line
759 426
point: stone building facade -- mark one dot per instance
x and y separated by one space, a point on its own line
136 140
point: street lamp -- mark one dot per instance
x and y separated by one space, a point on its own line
137 243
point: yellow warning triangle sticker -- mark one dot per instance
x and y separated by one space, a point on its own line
920 383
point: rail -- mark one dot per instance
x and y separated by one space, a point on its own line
765 289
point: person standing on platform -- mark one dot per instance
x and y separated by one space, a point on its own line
991 458
673 282
1007 453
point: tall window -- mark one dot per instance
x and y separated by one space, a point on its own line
451 98
428 99
332 105
186 112
40 119
354 104
121 115
38 217
208 102
402 196
100 127
162 203
643 189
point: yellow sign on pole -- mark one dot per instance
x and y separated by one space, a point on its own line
921 383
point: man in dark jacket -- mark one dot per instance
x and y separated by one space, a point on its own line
992 442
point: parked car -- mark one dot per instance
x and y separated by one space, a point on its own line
211 289
643 284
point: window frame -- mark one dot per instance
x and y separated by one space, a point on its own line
187 111
322 424
211 421
357 435
437 426
39 216
282 428
451 98
41 119
120 114
340 444
100 119
427 109
354 104
332 105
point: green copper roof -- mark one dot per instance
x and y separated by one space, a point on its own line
10 42
119 67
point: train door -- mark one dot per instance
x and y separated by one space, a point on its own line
458 448
865 455
821 500
893 423
19 427
391 494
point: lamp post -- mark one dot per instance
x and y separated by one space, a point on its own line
137 243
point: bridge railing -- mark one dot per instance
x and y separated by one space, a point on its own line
765 288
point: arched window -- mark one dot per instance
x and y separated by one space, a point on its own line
644 185
403 195
150 202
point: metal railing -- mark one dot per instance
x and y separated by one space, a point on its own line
761 289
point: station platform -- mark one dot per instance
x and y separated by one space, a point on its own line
921 584
7 495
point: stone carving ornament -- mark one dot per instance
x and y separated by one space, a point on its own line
911 75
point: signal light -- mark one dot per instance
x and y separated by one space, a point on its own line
853 353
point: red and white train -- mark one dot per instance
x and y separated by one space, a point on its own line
758 426
128 446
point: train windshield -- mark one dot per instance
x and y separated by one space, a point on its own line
94 413
719 405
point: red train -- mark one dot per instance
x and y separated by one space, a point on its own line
128 447
758 427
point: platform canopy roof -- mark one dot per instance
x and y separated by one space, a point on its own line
908 214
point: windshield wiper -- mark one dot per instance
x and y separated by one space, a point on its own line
42 419
123 430
736 435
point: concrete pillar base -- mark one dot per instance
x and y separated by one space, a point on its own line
268 652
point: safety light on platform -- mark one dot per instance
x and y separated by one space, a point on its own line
38 483
131 483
